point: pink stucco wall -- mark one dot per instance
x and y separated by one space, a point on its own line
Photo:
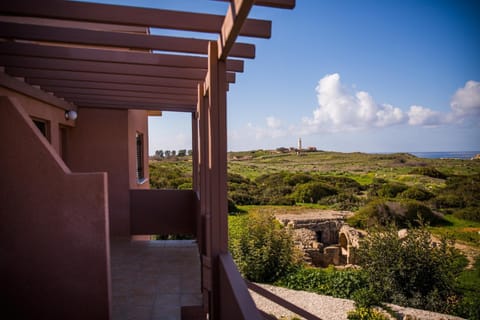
41 110
54 249
104 140
99 143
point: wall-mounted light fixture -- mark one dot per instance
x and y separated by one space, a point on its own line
71 115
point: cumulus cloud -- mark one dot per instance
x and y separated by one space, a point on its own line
273 129
341 109
466 101
421 116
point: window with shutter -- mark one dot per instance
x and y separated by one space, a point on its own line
140 169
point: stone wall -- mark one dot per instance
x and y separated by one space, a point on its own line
325 240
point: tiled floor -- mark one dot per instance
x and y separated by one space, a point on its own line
151 280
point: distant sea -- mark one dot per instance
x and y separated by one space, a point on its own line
446 155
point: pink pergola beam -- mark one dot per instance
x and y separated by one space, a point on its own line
116 39
142 58
53 85
282 4
134 16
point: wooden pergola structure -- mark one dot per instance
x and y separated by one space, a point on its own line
103 56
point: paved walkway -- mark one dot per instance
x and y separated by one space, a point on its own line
151 280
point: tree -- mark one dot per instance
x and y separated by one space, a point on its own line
167 153
159 153
182 153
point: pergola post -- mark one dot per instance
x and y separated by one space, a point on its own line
212 128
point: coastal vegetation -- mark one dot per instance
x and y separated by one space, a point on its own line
438 200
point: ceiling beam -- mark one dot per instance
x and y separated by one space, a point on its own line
162 106
126 15
99 77
142 58
131 98
106 77
70 92
236 15
116 39
22 87
282 4
101 67
53 85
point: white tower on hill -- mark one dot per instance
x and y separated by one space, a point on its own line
299 144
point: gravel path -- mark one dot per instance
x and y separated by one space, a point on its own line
328 308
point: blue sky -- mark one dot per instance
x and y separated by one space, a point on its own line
350 75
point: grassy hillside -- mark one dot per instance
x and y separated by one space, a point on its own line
383 188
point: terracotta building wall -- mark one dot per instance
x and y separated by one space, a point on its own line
54 252
41 110
99 142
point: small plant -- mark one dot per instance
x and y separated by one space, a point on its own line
366 314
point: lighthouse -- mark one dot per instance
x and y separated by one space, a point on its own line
299 144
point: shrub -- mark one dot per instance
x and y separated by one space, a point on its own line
312 192
342 201
380 212
329 281
366 314
391 189
470 213
262 249
417 193
411 271
429 172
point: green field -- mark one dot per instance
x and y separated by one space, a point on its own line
346 181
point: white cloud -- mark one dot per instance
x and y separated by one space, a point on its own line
466 100
273 122
343 109
273 128
340 109
421 116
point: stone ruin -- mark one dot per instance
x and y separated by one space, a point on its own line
325 239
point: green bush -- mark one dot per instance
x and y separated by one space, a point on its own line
429 172
366 314
391 189
417 193
470 213
342 201
336 283
460 192
380 212
312 192
262 249
411 271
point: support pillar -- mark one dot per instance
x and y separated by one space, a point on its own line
212 129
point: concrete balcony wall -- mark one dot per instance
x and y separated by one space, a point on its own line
54 249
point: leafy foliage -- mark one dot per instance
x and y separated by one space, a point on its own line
381 212
312 192
366 314
430 172
329 281
411 271
262 249
417 193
